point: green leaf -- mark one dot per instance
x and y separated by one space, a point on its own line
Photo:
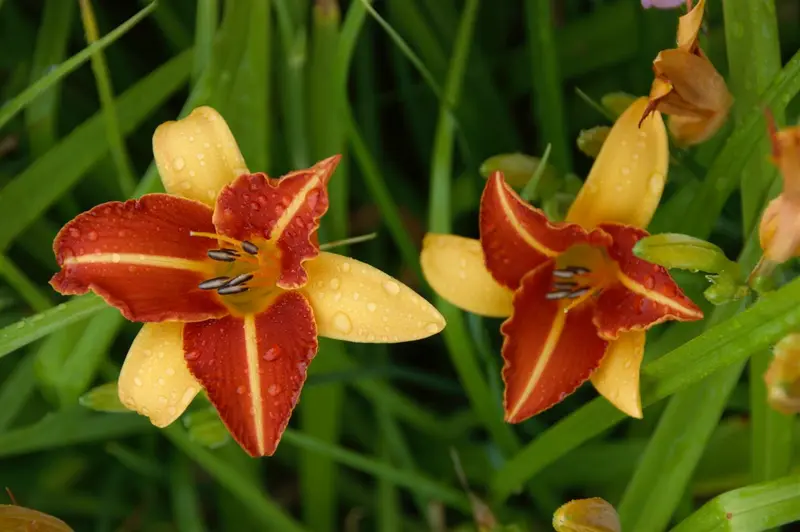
205 427
12 107
31 329
103 398
749 509
29 195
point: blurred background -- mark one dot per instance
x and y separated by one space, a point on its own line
423 94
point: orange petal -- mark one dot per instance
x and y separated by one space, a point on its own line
689 27
197 156
644 294
617 378
516 237
627 178
283 212
779 231
139 256
15 518
696 80
548 352
786 155
254 367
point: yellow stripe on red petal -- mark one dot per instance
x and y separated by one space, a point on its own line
154 380
197 155
516 237
548 352
627 178
254 367
284 212
455 268
643 295
355 302
617 378
140 257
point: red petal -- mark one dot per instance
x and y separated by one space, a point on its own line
644 295
284 211
548 353
254 367
139 256
516 237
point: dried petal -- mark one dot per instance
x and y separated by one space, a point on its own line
779 231
783 376
586 515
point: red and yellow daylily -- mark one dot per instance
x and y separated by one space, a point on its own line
579 301
687 86
227 275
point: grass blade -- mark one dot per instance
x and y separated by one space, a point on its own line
116 143
27 289
15 105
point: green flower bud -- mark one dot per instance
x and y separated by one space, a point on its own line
517 168
103 398
591 140
673 250
617 102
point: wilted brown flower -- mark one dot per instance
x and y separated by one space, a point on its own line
688 87
586 515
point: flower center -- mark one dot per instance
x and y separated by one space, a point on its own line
580 272
246 273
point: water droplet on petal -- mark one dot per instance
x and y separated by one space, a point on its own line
178 163
74 233
335 283
432 328
273 390
137 381
272 353
649 282
115 257
342 322
170 372
371 307
345 267
392 287
92 235
240 389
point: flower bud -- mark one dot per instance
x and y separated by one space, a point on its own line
586 515
684 252
617 102
518 169
591 140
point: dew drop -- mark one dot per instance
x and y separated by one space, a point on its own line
649 282
115 257
137 381
392 287
191 355
626 170
74 233
161 381
200 156
342 322
356 295
240 389
162 400
371 307
92 235
170 372
371 338
178 163
273 390
185 185
627 364
345 267
171 410
432 328
335 283
254 206
272 353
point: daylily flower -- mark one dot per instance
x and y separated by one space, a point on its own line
226 272
688 87
586 515
579 300
780 224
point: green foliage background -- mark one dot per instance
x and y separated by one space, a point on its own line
416 94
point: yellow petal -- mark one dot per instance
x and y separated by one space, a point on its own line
154 380
586 515
689 26
197 156
627 178
355 302
454 267
617 378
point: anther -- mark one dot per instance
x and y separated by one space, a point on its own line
213 284
231 290
249 247
220 255
239 279
578 270
230 251
568 285
578 293
560 294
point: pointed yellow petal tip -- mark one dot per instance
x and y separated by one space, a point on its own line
628 176
355 302
197 155
617 378
154 380
454 267
586 515
689 27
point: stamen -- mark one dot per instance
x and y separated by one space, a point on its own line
239 279
563 274
213 284
220 255
230 251
578 270
231 290
578 293
560 294
568 285
249 247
